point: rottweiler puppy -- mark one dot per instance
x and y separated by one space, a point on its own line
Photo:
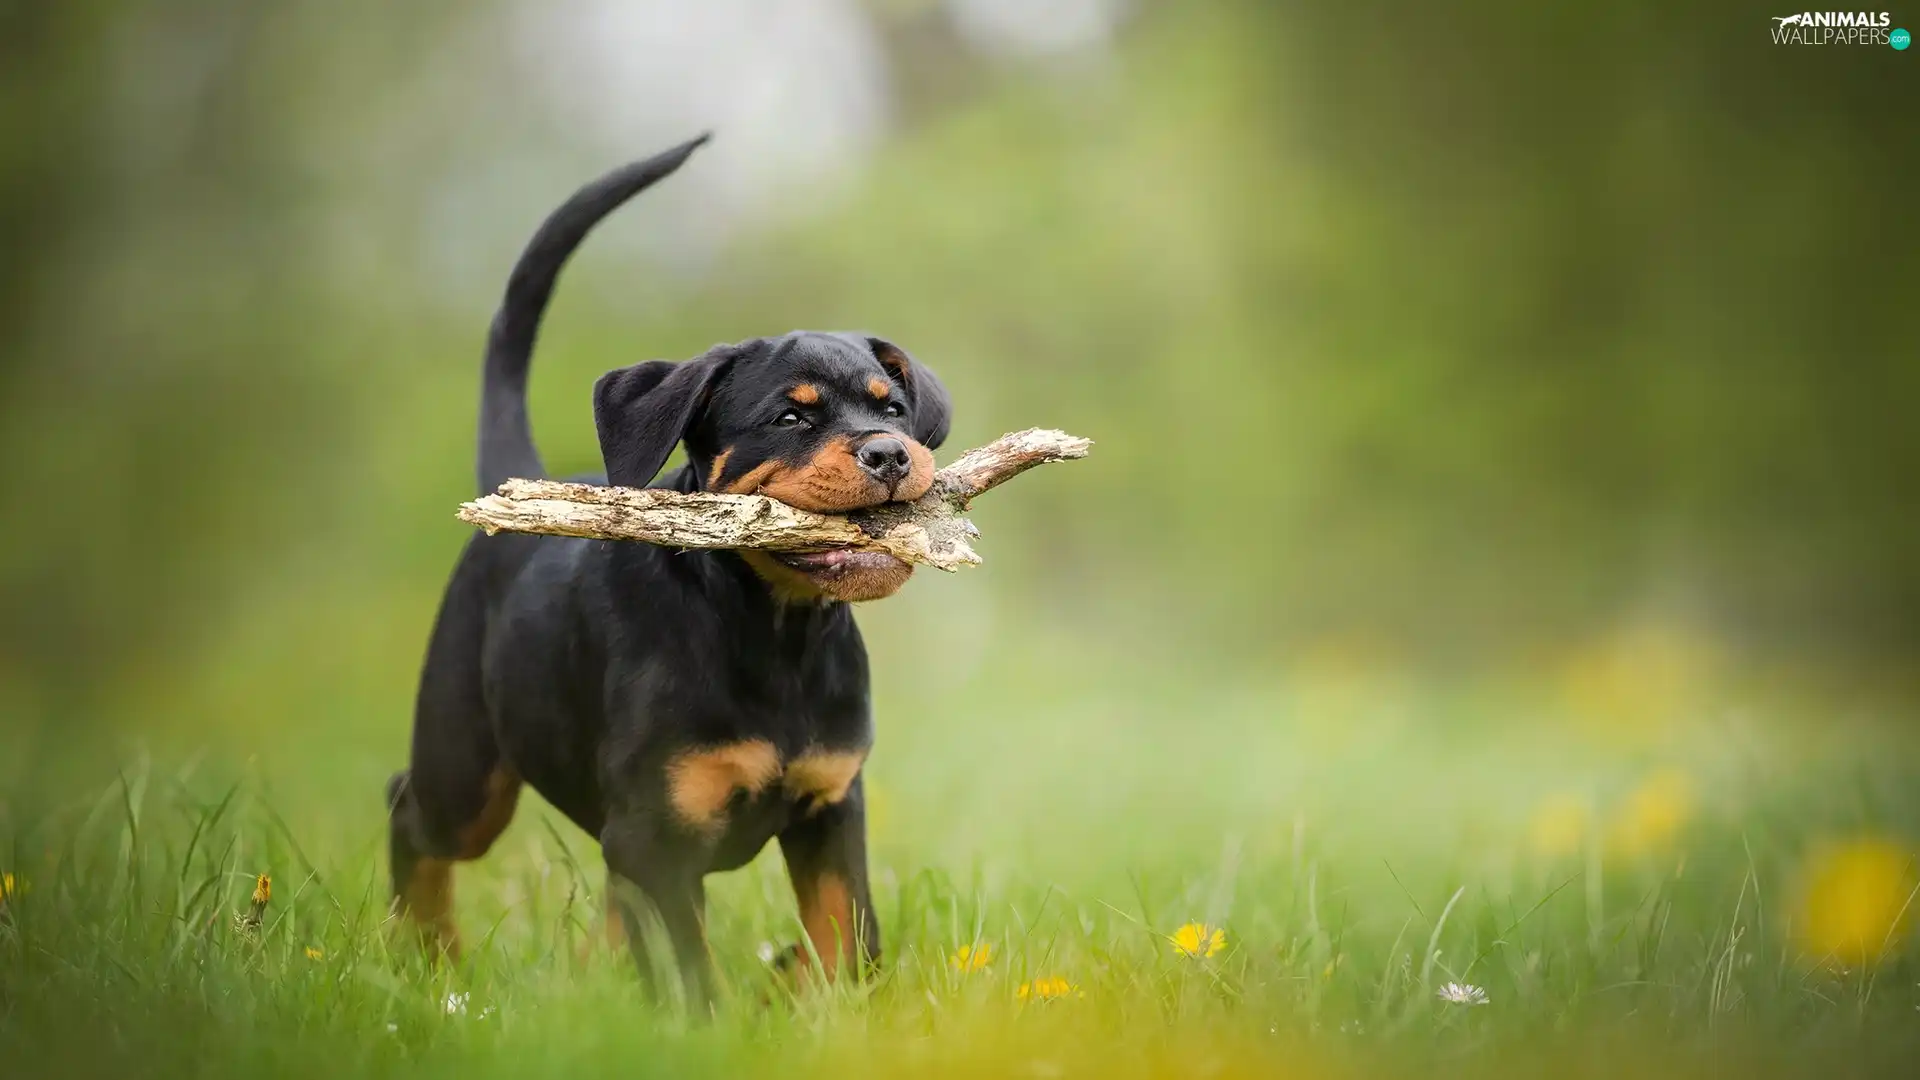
683 707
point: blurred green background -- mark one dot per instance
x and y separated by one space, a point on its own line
1461 375
1503 489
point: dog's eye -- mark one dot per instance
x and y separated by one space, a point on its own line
894 408
790 418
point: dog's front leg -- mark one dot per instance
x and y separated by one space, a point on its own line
826 854
654 875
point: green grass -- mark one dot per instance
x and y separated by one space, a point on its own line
1354 867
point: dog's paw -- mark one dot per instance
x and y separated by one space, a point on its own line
790 961
790 971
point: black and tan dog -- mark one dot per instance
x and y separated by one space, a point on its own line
683 707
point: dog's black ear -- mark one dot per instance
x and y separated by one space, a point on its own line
929 408
643 411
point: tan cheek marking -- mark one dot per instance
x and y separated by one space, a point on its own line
826 911
919 476
804 394
824 776
879 388
750 481
701 782
719 468
832 483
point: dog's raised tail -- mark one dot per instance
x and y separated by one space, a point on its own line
506 438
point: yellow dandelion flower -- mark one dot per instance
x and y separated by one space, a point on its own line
1857 899
1198 940
315 954
1559 826
1653 815
250 922
968 959
10 888
1048 988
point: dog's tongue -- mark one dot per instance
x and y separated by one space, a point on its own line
837 561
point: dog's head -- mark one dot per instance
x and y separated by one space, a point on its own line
823 422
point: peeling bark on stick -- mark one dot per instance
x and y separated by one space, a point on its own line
930 531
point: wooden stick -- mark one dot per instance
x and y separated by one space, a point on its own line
930 531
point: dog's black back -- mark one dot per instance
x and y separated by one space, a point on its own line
683 707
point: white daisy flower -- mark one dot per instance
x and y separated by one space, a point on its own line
1462 994
456 1004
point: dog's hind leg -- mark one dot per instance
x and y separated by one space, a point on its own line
423 851
422 883
459 794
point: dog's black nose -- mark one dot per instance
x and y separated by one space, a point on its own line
886 459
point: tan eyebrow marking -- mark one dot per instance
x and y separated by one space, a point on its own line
879 387
804 394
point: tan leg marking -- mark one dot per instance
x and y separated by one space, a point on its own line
826 912
426 900
616 928
612 932
700 783
503 795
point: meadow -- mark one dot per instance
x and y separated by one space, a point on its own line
1336 878
1481 642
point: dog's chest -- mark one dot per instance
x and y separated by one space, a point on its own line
750 787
